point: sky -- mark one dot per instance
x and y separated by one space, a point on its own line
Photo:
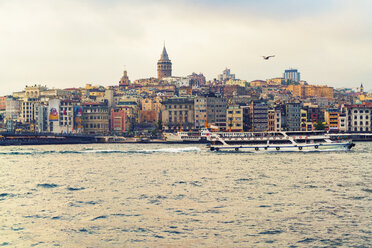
70 43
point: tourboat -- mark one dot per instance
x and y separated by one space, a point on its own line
187 137
275 141
182 137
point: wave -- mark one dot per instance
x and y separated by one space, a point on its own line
85 151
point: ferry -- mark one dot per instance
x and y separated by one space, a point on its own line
275 142
183 137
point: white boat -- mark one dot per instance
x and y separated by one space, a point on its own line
182 137
275 142
187 137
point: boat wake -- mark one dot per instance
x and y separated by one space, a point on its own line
85 151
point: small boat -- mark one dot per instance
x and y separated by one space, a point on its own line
275 142
182 137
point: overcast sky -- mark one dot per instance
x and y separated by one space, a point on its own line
73 42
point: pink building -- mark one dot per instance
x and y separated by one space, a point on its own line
119 120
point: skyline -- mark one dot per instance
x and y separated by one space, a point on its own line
70 43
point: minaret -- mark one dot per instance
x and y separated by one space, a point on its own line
164 65
124 81
361 88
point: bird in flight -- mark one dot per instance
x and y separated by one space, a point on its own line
267 57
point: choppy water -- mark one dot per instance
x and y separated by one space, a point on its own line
183 196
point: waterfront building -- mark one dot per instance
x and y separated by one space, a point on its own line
291 75
27 113
210 109
131 104
293 119
12 111
306 125
247 123
95 118
331 117
119 121
271 120
258 112
178 113
360 117
164 65
226 75
53 115
343 122
12 108
151 109
66 117
234 118
274 117
41 118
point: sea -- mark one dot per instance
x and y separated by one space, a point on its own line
182 195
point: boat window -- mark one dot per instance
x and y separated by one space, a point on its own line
272 142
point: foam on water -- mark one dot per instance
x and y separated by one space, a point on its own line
159 195
91 150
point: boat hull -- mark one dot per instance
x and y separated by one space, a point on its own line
283 148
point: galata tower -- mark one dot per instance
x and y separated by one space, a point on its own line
164 65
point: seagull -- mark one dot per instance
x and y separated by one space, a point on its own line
267 57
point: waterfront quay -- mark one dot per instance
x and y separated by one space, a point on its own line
29 138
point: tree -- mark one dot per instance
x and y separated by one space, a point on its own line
159 125
320 126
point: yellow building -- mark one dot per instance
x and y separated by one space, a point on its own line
307 91
275 81
331 117
234 118
241 83
97 93
258 83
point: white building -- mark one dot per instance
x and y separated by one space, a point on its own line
226 75
359 118
292 74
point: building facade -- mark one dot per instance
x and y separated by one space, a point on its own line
259 110
95 118
211 110
292 75
234 118
177 114
359 117
293 117
118 123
